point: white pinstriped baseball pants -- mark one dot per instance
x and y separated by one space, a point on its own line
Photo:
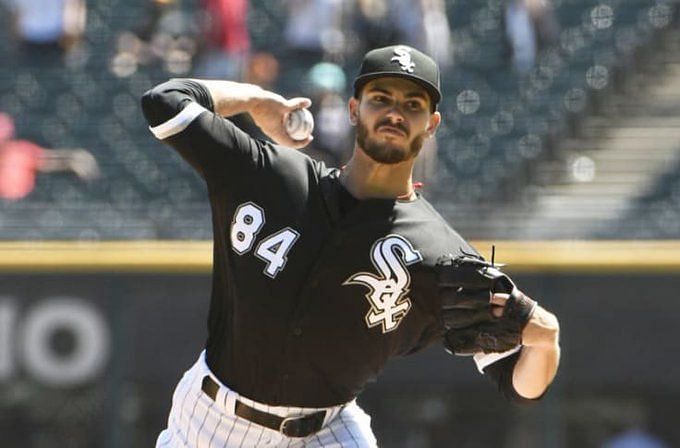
196 421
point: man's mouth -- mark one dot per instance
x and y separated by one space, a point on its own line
387 129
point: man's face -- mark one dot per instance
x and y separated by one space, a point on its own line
393 119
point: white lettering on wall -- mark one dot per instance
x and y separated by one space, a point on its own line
29 338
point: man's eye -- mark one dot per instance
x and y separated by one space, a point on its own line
379 99
414 105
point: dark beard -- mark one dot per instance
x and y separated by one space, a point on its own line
387 153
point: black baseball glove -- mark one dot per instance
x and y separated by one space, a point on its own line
466 285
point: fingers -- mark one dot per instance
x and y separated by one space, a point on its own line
498 304
499 299
294 104
298 103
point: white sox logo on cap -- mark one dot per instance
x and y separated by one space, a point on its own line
402 55
400 61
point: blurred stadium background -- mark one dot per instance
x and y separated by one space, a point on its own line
560 144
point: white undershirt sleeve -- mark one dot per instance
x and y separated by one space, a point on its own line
179 122
485 359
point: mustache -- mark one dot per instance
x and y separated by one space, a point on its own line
401 126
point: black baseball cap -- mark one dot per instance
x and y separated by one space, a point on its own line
400 61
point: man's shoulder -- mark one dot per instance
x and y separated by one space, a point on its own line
294 157
292 165
434 217
435 232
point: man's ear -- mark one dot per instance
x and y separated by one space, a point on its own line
435 121
353 106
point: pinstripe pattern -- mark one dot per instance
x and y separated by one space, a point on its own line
349 428
181 411
245 435
189 420
207 411
260 436
209 424
326 438
219 422
233 425
335 438
344 424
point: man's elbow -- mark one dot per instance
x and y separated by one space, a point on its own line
153 106
535 371
534 394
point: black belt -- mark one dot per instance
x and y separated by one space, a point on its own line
291 427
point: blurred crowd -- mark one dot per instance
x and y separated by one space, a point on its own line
21 160
322 42
45 30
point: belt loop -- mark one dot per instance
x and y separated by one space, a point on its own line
221 398
230 402
331 413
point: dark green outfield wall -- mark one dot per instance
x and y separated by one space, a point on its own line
91 360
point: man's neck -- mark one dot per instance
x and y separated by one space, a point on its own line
365 178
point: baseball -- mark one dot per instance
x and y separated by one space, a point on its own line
300 124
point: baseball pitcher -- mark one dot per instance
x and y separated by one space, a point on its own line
322 275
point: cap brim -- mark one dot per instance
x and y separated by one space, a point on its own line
361 81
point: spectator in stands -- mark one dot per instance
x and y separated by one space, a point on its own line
314 32
48 28
372 26
325 85
422 24
227 39
20 160
530 27
157 11
165 34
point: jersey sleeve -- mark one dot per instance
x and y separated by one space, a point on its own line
498 367
180 114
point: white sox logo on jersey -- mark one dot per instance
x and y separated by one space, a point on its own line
387 291
402 55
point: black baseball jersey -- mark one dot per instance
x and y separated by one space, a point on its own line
313 291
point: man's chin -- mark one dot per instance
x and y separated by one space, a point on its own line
387 150
386 153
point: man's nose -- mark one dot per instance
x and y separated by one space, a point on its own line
395 113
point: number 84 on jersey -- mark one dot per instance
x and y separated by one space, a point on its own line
249 219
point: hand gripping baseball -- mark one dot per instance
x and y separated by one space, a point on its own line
271 113
466 286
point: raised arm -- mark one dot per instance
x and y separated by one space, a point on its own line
188 115
225 98
268 109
